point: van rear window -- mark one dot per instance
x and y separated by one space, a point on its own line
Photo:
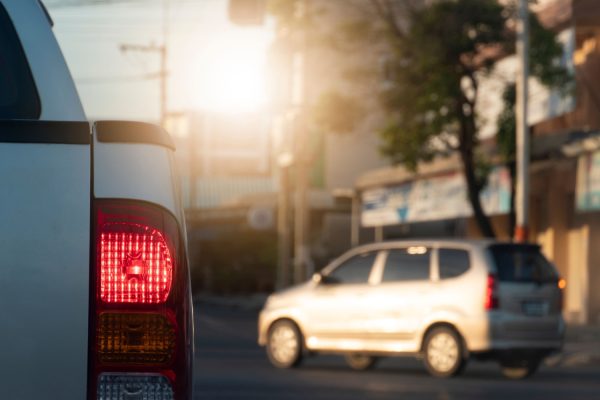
522 263
18 94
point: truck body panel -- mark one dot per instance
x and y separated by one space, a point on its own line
44 264
55 171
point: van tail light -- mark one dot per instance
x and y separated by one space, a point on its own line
140 311
562 285
491 293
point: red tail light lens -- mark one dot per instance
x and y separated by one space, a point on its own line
135 264
491 294
140 313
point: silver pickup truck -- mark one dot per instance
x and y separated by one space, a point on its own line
94 283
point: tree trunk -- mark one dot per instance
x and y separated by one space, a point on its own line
466 149
483 222
512 215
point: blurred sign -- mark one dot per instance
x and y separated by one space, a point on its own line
247 12
443 197
588 182
261 218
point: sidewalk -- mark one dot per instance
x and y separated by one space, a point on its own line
582 343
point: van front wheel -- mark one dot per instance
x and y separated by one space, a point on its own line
284 344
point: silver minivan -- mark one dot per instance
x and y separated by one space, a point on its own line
447 301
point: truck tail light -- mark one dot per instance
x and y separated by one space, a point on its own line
491 293
140 312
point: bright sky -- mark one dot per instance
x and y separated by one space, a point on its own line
213 64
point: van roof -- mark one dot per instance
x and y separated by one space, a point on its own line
475 243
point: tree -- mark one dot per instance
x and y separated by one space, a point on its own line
438 52
441 59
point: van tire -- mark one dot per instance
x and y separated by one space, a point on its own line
360 362
518 369
443 352
284 344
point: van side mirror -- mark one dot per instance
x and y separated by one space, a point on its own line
317 278
321 279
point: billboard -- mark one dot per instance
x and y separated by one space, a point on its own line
588 182
436 198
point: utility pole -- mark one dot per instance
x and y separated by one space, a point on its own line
163 73
284 162
523 154
303 266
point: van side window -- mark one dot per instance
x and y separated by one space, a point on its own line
453 262
409 264
18 94
354 270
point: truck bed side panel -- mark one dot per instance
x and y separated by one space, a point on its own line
44 261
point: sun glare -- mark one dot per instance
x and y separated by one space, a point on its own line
230 71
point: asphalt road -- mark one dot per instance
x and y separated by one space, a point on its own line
230 365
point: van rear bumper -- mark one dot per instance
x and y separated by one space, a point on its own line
503 345
513 353
501 333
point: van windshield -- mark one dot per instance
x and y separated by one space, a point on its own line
522 263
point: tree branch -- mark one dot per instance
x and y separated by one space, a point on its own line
385 11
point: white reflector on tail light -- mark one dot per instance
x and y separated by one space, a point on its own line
136 264
134 386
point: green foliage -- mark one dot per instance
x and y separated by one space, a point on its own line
545 54
433 59
337 113
438 52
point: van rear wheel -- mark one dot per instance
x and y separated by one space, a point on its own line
519 368
444 352
360 362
